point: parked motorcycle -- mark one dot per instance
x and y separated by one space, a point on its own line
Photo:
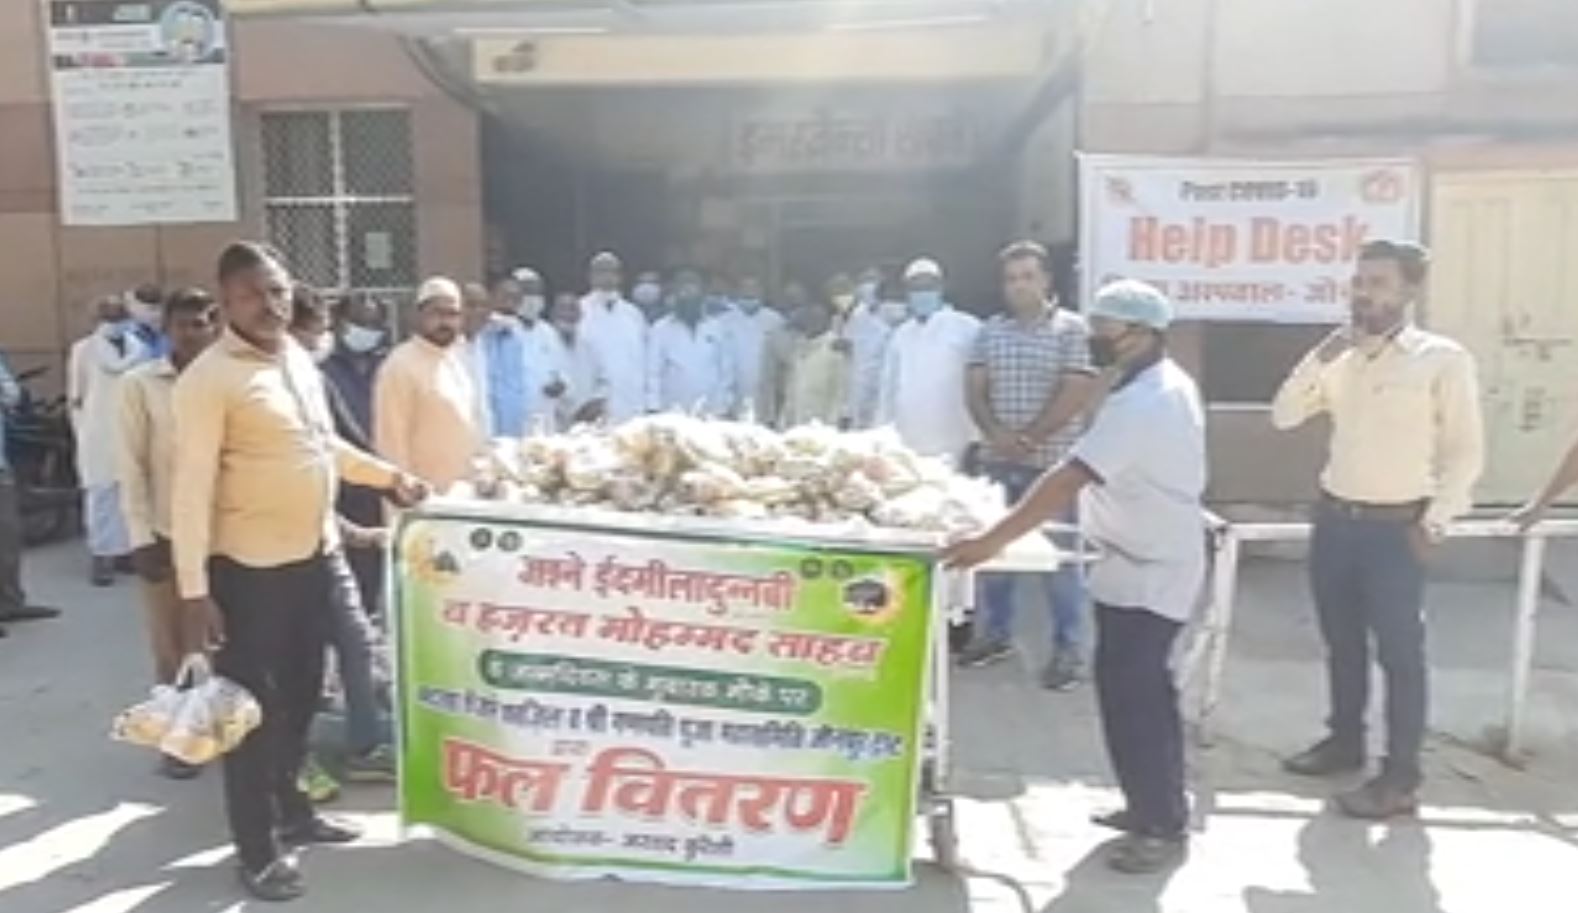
42 452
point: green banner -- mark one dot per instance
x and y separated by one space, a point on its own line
592 702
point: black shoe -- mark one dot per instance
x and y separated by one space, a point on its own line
319 831
276 883
29 613
103 572
1137 855
1325 758
1117 820
124 566
173 768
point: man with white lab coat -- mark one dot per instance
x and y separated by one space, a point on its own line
617 330
866 328
748 324
923 372
690 367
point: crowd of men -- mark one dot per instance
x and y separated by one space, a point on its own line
294 427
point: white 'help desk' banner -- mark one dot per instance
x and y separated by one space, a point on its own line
1233 239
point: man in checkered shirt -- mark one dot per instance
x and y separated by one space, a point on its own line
1029 381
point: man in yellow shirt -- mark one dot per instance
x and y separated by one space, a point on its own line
146 460
254 535
1406 448
427 412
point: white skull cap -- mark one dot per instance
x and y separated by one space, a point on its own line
438 287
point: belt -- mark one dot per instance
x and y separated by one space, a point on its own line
1407 512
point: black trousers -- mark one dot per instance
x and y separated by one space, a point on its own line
1140 717
276 629
1369 586
11 596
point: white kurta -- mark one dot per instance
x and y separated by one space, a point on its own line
618 332
585 379
690 369
747 340
98 361
867 335
923 383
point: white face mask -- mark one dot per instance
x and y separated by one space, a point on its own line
893 313
362 339
647 294
531 306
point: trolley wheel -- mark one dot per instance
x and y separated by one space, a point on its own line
944 834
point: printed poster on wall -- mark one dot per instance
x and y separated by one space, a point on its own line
1231 239
142 111
685 710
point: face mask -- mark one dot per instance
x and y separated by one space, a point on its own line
647 294
750 305
322 349
866 292
531 306
144 313
844 302
362 339
925 304
893 313
1103 350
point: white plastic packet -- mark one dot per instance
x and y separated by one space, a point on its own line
201 718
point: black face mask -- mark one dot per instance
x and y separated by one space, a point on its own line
1103 350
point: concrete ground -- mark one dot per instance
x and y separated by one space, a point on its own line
85 827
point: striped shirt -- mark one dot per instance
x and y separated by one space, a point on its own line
1025 366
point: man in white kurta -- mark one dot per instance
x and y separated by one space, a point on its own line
616 329
690 367
97 363
923 389
585 398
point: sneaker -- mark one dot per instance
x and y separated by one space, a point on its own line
319 787
984 652
102 572
1063 671
374 766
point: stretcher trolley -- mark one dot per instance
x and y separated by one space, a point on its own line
954 605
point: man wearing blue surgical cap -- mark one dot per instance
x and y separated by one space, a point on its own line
1139 473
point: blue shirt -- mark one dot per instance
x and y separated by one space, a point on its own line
154 344
510 381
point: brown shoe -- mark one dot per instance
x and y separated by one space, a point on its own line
1377 800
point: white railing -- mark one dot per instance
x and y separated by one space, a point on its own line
1207 654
